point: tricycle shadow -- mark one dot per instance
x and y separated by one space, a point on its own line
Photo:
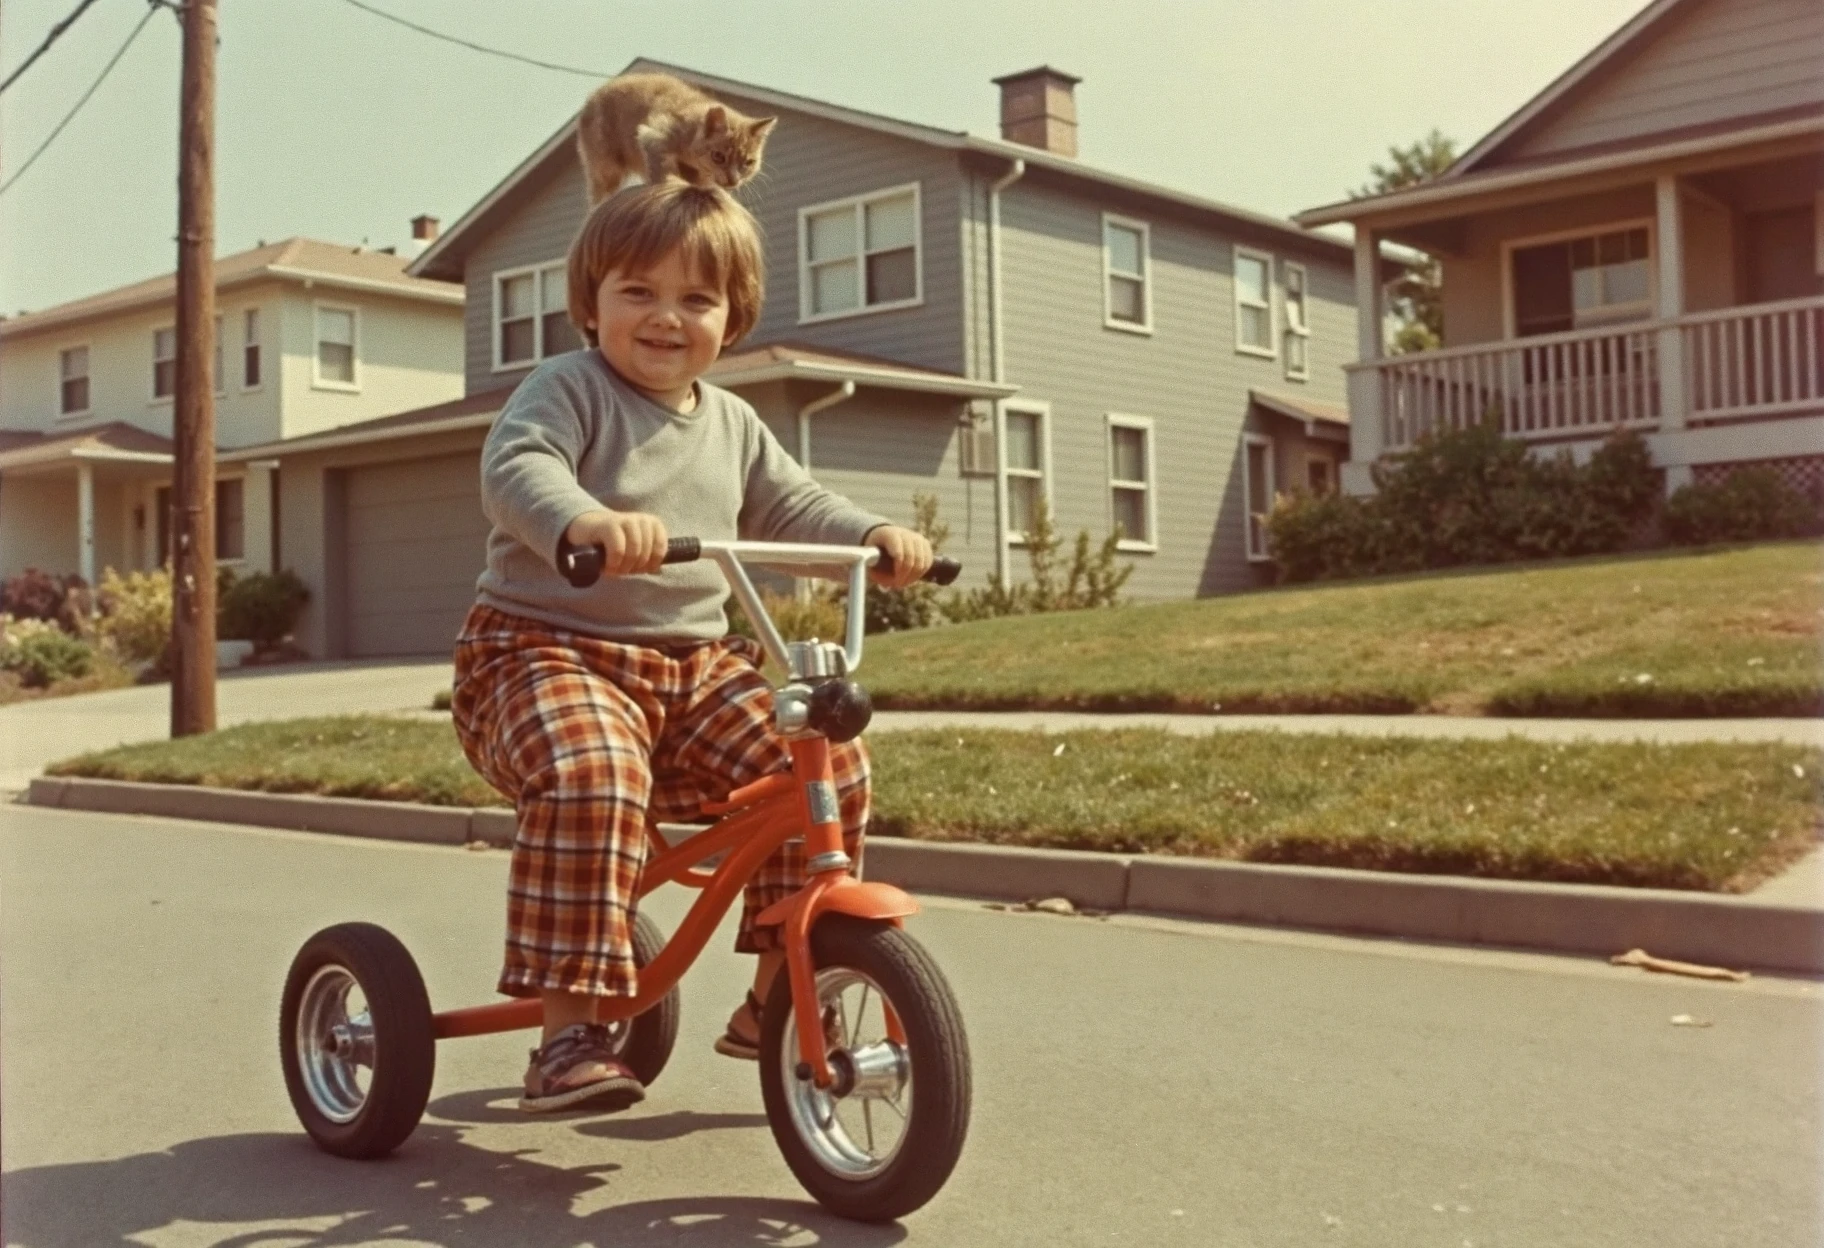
243 1191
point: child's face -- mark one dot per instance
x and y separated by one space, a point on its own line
661 329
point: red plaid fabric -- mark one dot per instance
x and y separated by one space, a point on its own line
590 738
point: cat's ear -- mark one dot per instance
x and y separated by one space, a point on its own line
758 129
715 121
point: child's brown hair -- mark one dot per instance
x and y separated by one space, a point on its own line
634 229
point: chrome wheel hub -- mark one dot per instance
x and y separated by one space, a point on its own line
855 1127
335 1043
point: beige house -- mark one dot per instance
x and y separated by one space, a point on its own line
310 336
1640 246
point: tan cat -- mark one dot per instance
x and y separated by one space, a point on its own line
648 127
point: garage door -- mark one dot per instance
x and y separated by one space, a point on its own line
416 542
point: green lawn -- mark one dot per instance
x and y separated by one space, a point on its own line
1732 631
1700 816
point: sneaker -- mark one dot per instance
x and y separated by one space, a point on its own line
576 1067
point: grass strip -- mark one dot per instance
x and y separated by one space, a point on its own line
1704 816
1725 631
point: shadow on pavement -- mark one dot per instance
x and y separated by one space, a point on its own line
499 1105
243 1191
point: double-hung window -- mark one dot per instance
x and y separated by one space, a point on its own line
1254 302
531 316
1257 490
1130 480
860 255
73 390
230 519
218 375
1298 322
164 363
1126 274
337 348
250 349
1582 280
1025 466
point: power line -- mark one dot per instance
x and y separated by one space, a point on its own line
49 39
477 47
106 69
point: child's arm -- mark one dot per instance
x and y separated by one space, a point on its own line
528 464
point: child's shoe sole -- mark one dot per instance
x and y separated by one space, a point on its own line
619 1093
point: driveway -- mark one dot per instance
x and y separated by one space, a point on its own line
1137 1081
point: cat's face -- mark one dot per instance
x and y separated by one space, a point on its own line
727 151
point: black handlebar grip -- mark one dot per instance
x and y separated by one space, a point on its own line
942 571
582 565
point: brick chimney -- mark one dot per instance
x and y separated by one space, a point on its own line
424 228
1039 109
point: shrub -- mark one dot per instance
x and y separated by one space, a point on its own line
1749 505
1469 496
821 616
262 607
915 605
136 614
37 595
43 656
1092 580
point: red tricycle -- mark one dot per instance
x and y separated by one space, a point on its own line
864 1067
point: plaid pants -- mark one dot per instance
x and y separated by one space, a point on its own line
590 738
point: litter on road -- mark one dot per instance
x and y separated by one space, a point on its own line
1647 962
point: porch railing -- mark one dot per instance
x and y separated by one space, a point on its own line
1747 362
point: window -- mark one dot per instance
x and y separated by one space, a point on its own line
250 349
164 363
1298 323
531 316
1025 467
230 525
1253 302
1127 299
859 255
336 348
73 369
1320 475
1130 480
1257 489
218 373
1591 279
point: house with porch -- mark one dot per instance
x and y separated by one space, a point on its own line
309 336
1640 246
985 320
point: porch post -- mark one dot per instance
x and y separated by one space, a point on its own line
85 521
1673 402
1364 381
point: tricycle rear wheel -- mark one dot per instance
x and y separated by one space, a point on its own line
356 1040
645 1042
883 1140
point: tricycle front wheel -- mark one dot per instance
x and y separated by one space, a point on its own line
356 1040
883 1139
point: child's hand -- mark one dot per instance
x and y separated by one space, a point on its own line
633 541
910 552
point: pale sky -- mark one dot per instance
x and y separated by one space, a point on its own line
335 124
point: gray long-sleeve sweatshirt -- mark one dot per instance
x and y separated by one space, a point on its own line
575 437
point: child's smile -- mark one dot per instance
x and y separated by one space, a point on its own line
661 329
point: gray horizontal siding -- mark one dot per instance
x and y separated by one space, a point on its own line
1186 376
539 231
1720 59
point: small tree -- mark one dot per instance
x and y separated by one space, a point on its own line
1416 297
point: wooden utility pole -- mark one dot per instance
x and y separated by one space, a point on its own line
193 459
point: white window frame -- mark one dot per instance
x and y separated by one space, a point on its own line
1304 304
255 343
88 375
499 278
153 395
1026 407
1271 350
1145 276
858 204
317 380
219 363
1122 420
1509 325
1247 490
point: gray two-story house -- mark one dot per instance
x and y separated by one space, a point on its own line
988 321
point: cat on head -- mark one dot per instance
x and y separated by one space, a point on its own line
648 127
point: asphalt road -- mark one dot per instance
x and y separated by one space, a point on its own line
1137 1081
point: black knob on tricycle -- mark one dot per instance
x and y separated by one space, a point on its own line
839 709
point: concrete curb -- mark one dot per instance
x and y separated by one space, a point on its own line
1564 918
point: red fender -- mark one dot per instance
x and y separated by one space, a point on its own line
847 895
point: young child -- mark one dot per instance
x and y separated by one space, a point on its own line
594 709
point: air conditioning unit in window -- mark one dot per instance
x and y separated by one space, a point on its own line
976 453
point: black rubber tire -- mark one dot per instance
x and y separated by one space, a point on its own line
405 1043
939 1053
653 1035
